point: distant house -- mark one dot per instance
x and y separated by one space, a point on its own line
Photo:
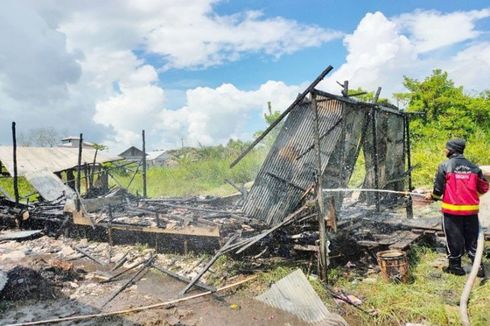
158 158
74 142
132 154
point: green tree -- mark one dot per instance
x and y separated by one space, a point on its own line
445 109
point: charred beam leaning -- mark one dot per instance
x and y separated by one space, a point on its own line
209 264
284 114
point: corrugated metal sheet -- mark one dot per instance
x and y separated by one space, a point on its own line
53 159
49 186
20 235
290 166
295 295
391 161
343 159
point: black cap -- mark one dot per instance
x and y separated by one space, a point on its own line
456 145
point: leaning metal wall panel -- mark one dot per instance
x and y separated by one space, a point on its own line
342 161
290 167
391 160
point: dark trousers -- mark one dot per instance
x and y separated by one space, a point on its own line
461 234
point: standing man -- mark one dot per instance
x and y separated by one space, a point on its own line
459 183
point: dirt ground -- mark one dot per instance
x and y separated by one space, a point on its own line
49 280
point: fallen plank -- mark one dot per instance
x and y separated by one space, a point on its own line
86 254
184 279
209 264
140 272
407 238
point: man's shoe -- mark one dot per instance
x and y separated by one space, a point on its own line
455 270
481 271
454 267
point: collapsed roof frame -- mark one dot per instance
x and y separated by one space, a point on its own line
330 123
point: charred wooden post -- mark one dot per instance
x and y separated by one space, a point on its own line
144 163
79 170
109 231
87 175
283 115
332 214
93 170
70 179
409 166
345 89
16 185
375 148
322 273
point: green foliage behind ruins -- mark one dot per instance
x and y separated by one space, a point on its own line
445 111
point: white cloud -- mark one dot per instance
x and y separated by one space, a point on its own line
431 30
204 40
187 34
381 50
72 65
471 66
34 62
213 115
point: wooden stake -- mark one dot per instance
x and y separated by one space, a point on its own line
321 216
16 186
144 163
79 170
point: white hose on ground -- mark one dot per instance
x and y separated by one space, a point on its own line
374 190
463 302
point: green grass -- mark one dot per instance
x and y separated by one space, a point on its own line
25 188
203 177
428 154
431 298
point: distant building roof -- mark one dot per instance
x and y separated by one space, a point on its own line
154 154
53 159
132 151
69 139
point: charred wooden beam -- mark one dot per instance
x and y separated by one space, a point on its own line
283 115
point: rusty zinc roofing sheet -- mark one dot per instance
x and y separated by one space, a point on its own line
53 159
290 166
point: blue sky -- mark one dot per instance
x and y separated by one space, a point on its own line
204 70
